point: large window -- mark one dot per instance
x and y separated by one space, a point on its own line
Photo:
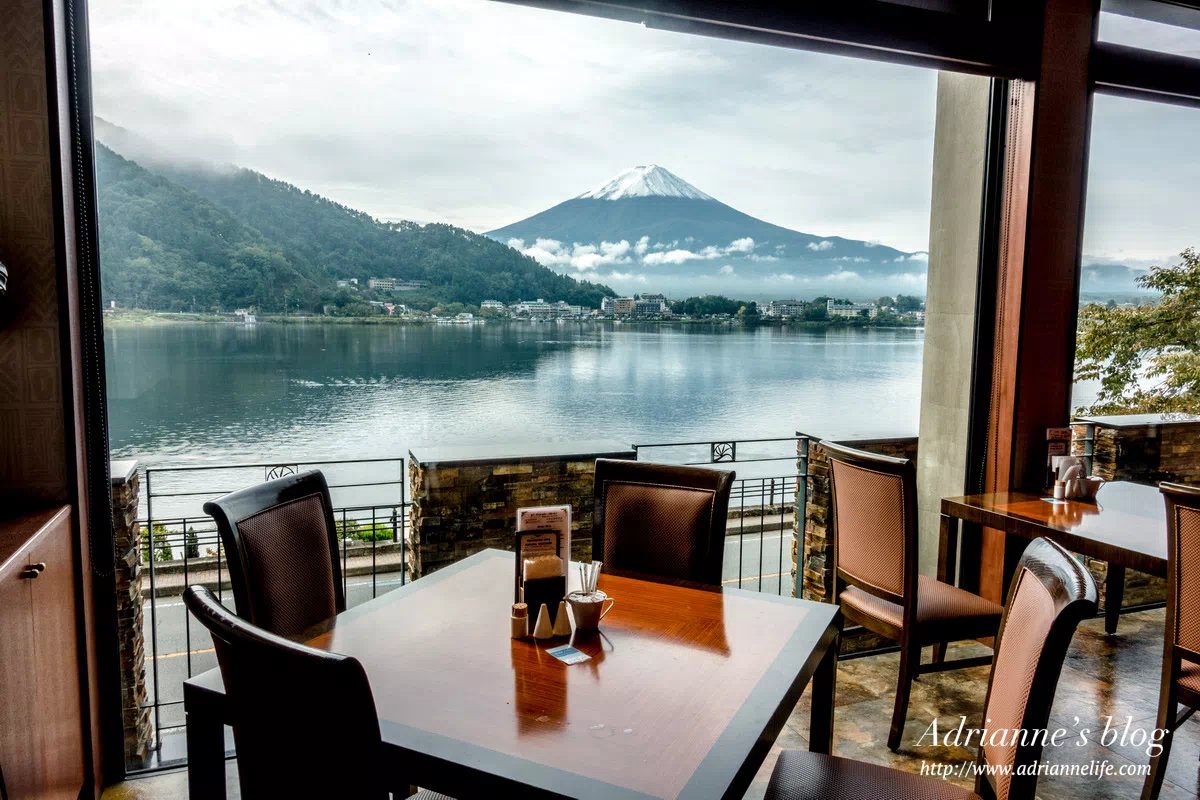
1142 194
332 233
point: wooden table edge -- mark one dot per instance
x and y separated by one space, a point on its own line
958 508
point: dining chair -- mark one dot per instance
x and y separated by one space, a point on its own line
282 547
875 550
295 711
661 520
1051 594
1181 654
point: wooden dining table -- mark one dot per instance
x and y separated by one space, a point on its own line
1125 526
685 692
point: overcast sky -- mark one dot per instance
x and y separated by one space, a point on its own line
480 114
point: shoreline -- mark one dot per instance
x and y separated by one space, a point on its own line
140 318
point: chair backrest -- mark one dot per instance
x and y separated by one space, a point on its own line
1183 578
304 720
661 520
1051 593
282 549
874 520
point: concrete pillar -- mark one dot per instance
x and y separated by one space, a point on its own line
959 163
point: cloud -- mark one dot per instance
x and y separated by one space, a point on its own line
820 246
671 257
726 270
708 253
757 257
626 276
843 276
781 276
912 257
642 245
579 257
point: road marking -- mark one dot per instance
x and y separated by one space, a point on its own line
183 653
748 578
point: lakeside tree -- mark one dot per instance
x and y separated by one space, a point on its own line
1146 357
708 304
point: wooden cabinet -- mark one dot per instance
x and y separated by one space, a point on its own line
41 722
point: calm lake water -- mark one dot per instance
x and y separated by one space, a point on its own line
212 394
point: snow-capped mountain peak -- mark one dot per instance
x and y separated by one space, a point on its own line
646 180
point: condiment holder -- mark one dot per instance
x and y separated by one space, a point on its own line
1083 489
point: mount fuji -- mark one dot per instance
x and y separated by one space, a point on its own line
647 229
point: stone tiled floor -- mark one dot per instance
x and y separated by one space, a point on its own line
1104 676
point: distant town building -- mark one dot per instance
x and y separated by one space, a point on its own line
622 306
785 308
395 285
606 305
836 309
535 309
567 310
650 305
645 308
491 305
351 283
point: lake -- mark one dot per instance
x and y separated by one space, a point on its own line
183 394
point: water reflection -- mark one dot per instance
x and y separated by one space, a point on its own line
222 393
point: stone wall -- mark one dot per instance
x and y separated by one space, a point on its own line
1146 453
461 505
135 711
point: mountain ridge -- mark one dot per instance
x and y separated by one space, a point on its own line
183 235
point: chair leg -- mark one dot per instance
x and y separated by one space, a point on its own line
1158 763
939 652
910 660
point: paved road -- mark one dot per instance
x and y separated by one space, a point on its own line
175 631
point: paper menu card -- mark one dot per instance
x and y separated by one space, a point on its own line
549 518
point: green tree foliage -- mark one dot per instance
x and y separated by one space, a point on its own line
708 304
158 547
192 238
1146 357
906 302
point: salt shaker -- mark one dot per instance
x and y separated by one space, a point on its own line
520 621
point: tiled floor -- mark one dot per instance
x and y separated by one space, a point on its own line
1104 676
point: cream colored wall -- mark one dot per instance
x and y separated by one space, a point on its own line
960 147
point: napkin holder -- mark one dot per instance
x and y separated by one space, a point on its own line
541 576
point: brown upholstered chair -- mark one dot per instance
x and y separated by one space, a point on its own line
294 710
1181 654
1051 593
875 546
660 520
282 549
